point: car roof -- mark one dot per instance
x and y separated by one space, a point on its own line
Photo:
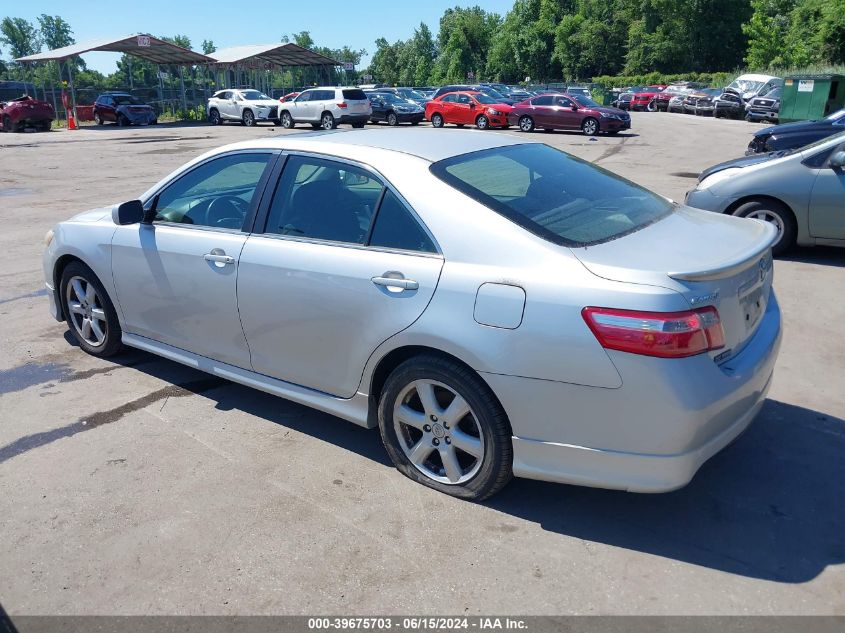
429 144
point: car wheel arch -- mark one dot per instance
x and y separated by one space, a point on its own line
59 268
395 357
733 206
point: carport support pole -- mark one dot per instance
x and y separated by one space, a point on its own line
59 85
72 92
182 84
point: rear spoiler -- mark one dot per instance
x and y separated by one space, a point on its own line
731 267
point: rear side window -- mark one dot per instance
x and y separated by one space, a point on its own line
542 101
449 98
354 95
395 227
558 197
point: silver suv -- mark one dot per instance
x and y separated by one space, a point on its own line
326 108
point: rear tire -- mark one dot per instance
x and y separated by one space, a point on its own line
777 214
327 121
468 454
91 315
437 120
98 119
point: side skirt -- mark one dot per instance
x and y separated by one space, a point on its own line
353 409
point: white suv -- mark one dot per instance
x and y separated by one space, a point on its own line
326 108
245 106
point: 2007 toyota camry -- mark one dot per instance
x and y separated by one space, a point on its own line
494 306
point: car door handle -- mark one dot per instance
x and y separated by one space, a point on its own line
220 259
396 282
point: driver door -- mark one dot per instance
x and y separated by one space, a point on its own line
464 110
564 113
176 277
827 211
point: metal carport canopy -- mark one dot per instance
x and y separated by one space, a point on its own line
144 46
279 54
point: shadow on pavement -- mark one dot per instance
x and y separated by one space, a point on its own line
819 255
769 506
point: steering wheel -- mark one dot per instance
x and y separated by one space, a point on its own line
226 211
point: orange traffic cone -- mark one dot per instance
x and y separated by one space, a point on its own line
71 122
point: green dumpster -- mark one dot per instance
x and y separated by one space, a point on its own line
811 97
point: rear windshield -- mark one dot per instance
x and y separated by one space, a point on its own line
354 95
556 196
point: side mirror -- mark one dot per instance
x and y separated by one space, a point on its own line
837 161
472 106
131 212
575 108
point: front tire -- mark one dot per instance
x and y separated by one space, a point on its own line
482 122
444 428
287 121
90 313
214 117
777 214
526 123
437 120
248 118
392 119
590 126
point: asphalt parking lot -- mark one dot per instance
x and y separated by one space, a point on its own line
136 485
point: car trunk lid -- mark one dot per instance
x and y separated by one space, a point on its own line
711 259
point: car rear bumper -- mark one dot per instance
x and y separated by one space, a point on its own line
651 434
759 114
353 118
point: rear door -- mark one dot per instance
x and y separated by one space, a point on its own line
542 112
827 201
342 265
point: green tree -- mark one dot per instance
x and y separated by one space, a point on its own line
208 47
20 36
766 31
463 43
593 40
525 42
55 32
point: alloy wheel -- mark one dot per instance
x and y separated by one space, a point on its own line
86 312
287 120
590 127
438 432
772 218
328 122
526 124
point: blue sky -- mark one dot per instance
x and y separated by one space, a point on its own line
230 23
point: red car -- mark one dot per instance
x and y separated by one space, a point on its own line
18 114
467 108
568 112
289 97
647 99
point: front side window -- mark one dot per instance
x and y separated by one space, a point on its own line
464 99
563 102
254 95
558 197
216 194
305 96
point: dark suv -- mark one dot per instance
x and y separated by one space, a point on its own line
123 109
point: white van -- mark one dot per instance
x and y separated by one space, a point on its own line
750 86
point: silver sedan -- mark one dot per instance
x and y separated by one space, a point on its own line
801 192
494 306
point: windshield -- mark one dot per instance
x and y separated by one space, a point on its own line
745 85
773 94
492 93
836 116
389 97
412 94
126 100
558 197
254 95
482 98
585 101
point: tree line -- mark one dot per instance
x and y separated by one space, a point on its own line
537 40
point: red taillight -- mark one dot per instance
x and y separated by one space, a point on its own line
662 334
342 104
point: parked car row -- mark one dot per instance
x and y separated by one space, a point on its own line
753 97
